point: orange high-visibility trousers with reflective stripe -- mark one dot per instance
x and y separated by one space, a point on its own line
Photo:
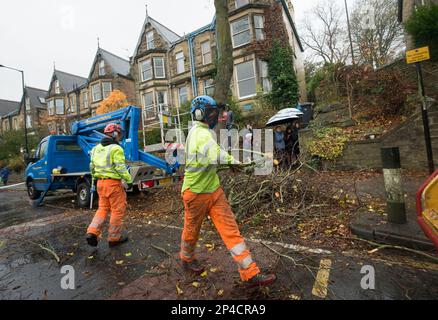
112 198
196 208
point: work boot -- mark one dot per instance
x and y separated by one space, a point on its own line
193 266
92 240
113 244
260 280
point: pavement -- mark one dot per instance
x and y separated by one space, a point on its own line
147 267
373 226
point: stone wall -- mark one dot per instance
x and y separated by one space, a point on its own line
409 137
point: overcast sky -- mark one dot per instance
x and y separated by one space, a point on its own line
35 34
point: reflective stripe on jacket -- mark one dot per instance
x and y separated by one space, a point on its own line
203 154
108 162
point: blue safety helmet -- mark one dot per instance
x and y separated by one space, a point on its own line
205 108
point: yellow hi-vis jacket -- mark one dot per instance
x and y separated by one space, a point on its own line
108 162
203 155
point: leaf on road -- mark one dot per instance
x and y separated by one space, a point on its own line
90 257
210 247
70 254
196 284
294 297
204 274
128 254
220 293
179 290
213 270
119 262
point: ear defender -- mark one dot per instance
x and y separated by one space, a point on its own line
199 114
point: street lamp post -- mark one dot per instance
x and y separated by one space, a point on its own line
24 106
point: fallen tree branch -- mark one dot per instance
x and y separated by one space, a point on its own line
381 246
51 251
162 250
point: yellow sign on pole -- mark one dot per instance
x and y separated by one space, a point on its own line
418 55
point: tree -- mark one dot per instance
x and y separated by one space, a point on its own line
423 26
282 74
225 53
115 101
377 34
324 33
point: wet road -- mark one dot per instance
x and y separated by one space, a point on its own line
31 239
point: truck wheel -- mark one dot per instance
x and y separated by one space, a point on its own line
32 192
83 195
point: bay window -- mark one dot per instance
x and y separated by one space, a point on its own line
159 68
264 77
259 27
146 70
107 88
246 80
96 92
240 31
59 105
149 107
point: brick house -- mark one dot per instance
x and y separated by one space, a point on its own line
62 99
169 69
108 72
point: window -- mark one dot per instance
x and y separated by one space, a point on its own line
85 97
206 52
180 68
241 3
240 32
28 121
72 101
159 68
246 82
259 22
209 87
42 100
27 103
183 95
96 92
150 40
57 87
67 146
15 125
162 97
101 68
59 103
149 107
51 107
146 70
107 88
264 77
42 150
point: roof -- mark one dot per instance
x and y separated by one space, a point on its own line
35 95
168 35
7 107
69 81
117 64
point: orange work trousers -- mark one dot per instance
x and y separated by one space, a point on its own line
196 208
112 198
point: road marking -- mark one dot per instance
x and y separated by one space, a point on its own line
12 185
321 281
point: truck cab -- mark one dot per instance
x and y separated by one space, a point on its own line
56 152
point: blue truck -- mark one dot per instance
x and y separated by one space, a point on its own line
61 162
